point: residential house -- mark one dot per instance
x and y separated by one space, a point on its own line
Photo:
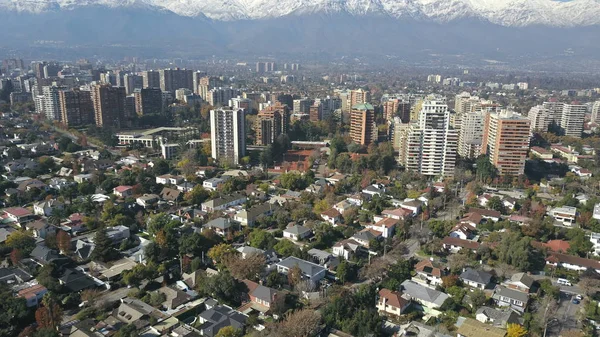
486 214
221 226
75 280
45 208
566 215
60 183
14 276
33 295
297 232
476 278
260 295
412 205
213 184
169 179
190 213
358 199
505 297
247 217
218 317
136 312
427 297
5 233
571 262
147 200
429 273
39 228
416 329
19 215
186 186
315 189
392 302
310 271
81 178
225 202
386 226
365 236
462 231
398 213
118 233
83 249
473 328
472 219
245 251
320 257
174 298
347 248
332 216
520 220
375 189
32 184
483 199
123 191
170 195
498 318
343 206
541 152
454 245
520 282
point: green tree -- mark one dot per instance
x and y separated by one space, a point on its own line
485 169
229 331
478 299
496 204
194 244
219 252
223 287
21 240
197 195
261 239
580 243
128 330
398 273
103 247
161 167
14 315
345 272
285 248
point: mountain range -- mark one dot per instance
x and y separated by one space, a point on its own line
565 13
448 26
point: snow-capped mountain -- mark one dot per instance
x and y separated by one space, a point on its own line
519 13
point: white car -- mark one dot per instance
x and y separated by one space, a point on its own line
579 297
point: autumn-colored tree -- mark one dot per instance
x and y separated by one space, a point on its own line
63 241
248 268
15 256
449 281
161 238
294 275
89 295
219 252
515 330
49 316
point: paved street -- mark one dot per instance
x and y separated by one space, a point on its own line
566 315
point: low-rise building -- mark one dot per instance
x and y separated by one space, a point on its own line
392 302
33 295
225 202
310 271
147 200
45 208
296 232
123 191
505 297
566 215
221 226
476 278
425 296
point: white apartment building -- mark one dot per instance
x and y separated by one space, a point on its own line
471 134
228 134
221 96
596 112
572 118
540 118
51 102
555 110
431 146
595 239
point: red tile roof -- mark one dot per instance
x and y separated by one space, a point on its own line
122 188
332 213
393 298
32 291
387 222
18 211
460 243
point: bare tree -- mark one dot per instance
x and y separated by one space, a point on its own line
377 268
249 268
306 286
546 311
299 323
589 285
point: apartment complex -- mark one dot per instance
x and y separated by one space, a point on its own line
151 79
540 118
148 101
363 129
359 96
76 107
470 134
431 144
51 104
397 107
109 105
506 142
572 119
270 123
228 134
173 79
